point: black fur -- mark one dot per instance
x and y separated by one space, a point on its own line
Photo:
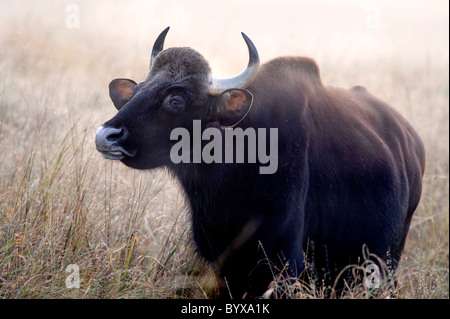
349 170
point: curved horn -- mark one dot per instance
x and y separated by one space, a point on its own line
217 86
159 45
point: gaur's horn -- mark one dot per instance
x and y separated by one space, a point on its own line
159 45
217 86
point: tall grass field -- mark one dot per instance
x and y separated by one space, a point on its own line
74 225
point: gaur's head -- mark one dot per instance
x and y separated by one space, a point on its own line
178 89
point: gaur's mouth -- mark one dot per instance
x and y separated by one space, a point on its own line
115 152
113 155
108 141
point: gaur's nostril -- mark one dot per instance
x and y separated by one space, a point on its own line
108 136
116 134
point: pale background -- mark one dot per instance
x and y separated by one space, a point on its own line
62 203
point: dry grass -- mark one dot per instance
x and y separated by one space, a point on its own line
128 231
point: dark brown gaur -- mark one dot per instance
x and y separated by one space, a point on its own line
349 174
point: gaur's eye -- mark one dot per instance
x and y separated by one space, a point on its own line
174 103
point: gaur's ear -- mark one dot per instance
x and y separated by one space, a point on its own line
233 107
121 91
